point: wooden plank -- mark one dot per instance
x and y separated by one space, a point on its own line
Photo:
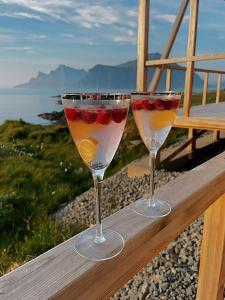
168 79
169 44
218 91
192 146
202 70
216 134
194 4
62 274
175 60
205 88
212 262
199 123
142 44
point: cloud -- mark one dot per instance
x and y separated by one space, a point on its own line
20 15
125 36
84 13
165 17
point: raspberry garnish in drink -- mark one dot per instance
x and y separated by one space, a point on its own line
96 131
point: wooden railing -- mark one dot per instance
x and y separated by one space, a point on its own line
169 69
63 275
165 62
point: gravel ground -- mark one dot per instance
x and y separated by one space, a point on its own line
172 275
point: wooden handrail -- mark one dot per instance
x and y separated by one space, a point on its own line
202 70
202 57
61 274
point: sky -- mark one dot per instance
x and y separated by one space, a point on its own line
38 35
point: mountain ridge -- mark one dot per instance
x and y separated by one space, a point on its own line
100 76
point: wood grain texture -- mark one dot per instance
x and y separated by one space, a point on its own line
205 88
212 263
209 117
173 34
62 274
142 44
202 57
168 79
218 89
192 36
202 70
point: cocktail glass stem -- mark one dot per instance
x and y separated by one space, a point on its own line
98 179
151 200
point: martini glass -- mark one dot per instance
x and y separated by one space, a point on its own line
154 114
96 123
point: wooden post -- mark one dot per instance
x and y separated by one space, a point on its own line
169 45
218 92
168 79
212 263
190 52
216 133
205 89
142 46
192 146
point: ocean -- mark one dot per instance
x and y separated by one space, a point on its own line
26 104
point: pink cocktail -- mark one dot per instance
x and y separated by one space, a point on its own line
96 123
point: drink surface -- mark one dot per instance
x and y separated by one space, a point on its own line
154 119
96 131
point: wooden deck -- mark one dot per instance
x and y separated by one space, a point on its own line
208 117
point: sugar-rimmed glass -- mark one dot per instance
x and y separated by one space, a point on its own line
96 123
154 114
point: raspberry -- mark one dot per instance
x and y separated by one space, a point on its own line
136 105
71 113
168 104
104 116
158 104
144 104
119 114
175 103
89 116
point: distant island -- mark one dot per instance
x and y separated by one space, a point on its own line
122 76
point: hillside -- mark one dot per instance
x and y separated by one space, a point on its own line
122 76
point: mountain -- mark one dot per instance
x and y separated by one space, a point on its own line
62 76
121 77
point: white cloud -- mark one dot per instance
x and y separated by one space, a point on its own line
20 15
125 36
165 17
84 13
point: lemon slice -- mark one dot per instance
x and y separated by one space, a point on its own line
87 149
160 119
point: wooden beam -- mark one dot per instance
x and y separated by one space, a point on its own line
62 274
212 261
202 70
194 4
218 92
192 146
205 88
199 123
202 57
169 45
168 79
142 44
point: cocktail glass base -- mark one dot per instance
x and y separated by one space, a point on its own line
160 209
86 246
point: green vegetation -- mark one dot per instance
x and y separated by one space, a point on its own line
41 169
